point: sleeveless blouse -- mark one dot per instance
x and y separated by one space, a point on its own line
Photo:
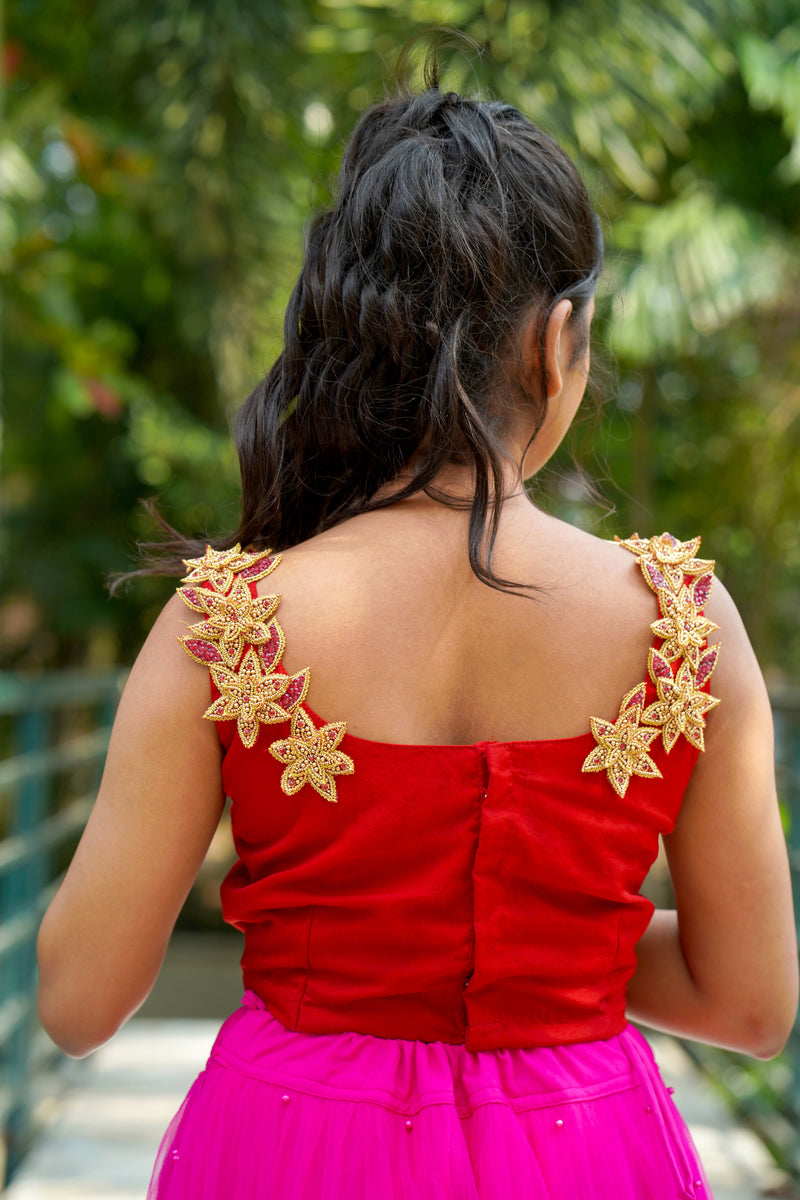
486 895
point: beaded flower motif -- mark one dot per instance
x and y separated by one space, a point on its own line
311 756
241 644
623 746
679 668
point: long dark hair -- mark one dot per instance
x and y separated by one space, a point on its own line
455 220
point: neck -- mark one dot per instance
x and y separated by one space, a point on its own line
456 483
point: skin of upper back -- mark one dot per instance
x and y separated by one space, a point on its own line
461 662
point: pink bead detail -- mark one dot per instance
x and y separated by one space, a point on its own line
559 1123
701 589
647 1108
706 665
409 1125
636 696
656 575
292 693
285 1098
175 1155
697 1183
263 564
207 651
670 1090
270 650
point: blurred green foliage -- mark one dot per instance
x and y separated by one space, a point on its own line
156 171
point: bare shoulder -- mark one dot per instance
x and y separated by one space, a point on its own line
737 680
601 575
591 551
164 679
162 649
721 609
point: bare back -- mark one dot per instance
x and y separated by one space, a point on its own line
406 645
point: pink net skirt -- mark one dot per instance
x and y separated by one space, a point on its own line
348 1116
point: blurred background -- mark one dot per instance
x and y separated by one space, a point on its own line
158 165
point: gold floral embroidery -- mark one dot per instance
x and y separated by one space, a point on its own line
218 567
235 620
248 696
681 706
311 756
665 561
622 748
682 627
242 646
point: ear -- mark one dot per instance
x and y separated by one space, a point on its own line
556 347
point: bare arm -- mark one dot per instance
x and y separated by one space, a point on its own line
723 967
104 936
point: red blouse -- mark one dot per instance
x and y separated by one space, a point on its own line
484 894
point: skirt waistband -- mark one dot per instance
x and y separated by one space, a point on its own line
406 1076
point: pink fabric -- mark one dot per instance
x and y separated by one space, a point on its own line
349 1116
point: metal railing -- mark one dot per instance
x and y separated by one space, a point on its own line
54 733
767 1094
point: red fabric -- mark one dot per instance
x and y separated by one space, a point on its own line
484 895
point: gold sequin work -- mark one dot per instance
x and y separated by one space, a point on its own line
242 645
311 756
678 668
623 746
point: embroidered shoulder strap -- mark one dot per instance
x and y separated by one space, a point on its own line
242 644
678 669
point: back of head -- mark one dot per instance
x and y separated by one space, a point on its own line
456 218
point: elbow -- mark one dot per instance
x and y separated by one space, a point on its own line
764 1054
760 1020
77 1031
72 1014
767 1031
764 1051
767 1043
79 1015
81 1002
70 1044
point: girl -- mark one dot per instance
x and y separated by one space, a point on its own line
452 729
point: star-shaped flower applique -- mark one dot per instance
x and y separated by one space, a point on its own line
623 746
248 696
311 756
219 567
681 706
235 621
665 561
681 625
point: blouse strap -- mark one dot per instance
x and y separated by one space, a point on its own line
242 644
679 668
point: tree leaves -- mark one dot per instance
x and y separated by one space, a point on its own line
154 183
